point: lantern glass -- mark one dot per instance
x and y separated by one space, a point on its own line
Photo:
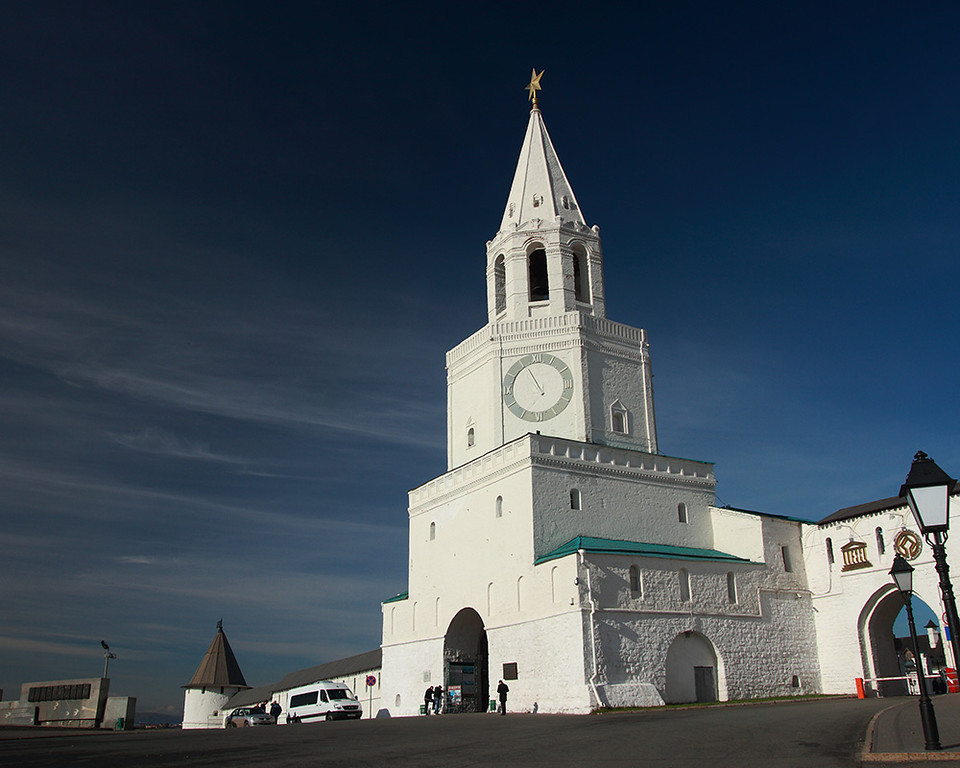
902 573
929 506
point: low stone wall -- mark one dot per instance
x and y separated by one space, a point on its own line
16 713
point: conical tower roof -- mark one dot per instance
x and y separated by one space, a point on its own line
540 188
219 666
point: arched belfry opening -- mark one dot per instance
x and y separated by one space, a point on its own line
693 670
581 276
499 284
537 274
466 678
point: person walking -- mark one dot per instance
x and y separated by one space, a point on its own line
437 699
427 700
502 691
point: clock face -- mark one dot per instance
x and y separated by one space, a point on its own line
537 387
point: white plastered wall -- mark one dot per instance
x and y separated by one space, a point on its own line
841 597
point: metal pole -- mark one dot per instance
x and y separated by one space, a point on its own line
946 590
928 719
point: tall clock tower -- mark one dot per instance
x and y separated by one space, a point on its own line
560 551
548 360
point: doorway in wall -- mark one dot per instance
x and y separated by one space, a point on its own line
465 660
692 670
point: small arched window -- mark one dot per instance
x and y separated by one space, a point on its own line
471 437
787 561
499 506
634 581
575 500
830 557
684 585
881 544
619 422
537 270
618 418
433 531
500 284
682 513
731 587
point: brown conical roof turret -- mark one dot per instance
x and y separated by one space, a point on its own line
219 666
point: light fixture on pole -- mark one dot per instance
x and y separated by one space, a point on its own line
927 490
106 657
902 573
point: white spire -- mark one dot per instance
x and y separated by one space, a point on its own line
540 188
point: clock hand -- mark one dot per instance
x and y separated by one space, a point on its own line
535 380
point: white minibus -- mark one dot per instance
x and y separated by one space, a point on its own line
322 700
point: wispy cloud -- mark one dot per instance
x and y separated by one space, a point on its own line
160 441
14 644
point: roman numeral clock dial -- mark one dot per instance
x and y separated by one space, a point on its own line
537 387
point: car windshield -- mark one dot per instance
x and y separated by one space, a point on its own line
339 693
257 711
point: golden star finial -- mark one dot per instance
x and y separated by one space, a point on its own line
534 86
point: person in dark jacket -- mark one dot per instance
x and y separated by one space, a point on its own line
275 710
427 700
502 691
437 699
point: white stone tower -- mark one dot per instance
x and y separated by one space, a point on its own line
560 551
548 360
217 679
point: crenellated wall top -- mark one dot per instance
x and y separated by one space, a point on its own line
544 450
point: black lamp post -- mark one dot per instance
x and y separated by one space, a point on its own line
902 573
927 491
106 657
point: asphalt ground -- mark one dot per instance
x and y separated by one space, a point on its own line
822 733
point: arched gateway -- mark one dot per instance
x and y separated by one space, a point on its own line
877 644
465 663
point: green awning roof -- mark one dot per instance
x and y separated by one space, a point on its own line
397 598
618 547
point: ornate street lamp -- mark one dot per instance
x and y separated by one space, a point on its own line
902 573
927 491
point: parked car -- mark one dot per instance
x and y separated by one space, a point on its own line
243 717
322 700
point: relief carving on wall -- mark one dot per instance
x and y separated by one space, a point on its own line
854 556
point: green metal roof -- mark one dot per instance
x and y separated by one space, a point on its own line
397 598
617 547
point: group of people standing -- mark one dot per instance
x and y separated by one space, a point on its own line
433 698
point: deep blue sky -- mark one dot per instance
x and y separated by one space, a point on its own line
236 241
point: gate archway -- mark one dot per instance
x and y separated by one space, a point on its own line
877 639
693 670
465 657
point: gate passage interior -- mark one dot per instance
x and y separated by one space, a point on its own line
465 664
462 688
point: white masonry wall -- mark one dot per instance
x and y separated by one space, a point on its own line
844 599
